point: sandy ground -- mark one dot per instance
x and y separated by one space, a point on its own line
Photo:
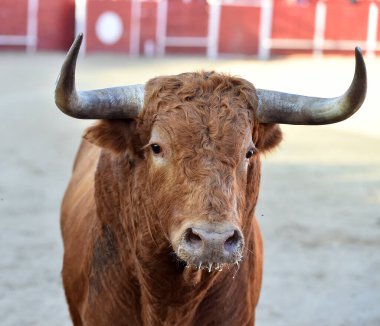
319 206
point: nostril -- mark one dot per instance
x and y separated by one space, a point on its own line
193 239
233 242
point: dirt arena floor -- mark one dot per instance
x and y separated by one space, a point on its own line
319 205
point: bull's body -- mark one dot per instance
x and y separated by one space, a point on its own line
158 219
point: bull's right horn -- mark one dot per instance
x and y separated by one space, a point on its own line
277 107
109 103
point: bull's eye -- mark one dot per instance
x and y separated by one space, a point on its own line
250 153
156 149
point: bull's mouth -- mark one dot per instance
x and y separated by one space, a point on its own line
206 266
210 267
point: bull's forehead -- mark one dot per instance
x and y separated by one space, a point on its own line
203 128
206 109
202 95
202 118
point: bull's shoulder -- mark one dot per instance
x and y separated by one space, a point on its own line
78 203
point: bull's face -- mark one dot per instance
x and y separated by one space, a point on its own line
199 149
192 144
192 148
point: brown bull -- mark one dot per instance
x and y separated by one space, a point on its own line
158 219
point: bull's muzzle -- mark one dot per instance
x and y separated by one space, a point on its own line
211 246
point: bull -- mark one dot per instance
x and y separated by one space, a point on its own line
158 220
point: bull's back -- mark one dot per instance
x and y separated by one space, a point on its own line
78 225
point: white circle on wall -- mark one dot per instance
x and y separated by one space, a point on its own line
109 27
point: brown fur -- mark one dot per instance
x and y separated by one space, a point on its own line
125 206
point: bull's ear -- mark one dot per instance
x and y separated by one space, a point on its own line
269 136
118 136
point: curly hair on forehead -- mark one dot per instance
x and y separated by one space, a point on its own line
187 86
202 91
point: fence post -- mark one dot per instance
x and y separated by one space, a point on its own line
373 17
32 26
265 29
134 35
319 28
213 28
161 27
80 22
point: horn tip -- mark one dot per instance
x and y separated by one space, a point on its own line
78 40
359 58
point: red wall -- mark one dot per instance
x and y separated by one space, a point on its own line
13 16
94 9
239 30
56 22
238 33
188 19
347 24
293 21
148 23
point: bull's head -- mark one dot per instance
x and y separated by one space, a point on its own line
196 139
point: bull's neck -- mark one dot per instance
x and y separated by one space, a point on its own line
173 295
167 291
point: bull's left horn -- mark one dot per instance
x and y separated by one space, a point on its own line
109 103
277 107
